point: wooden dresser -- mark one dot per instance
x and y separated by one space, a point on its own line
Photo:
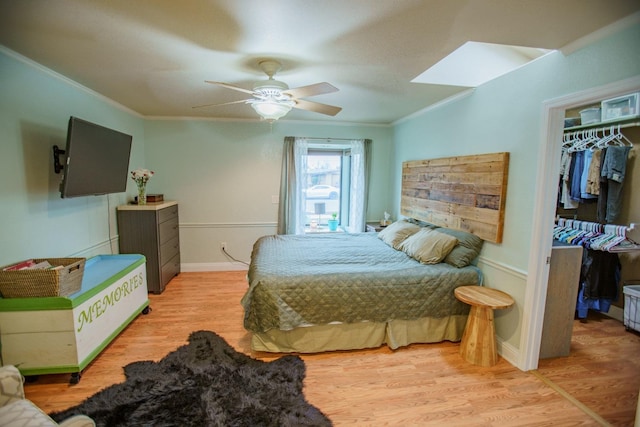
152 230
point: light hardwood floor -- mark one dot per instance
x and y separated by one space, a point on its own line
426 384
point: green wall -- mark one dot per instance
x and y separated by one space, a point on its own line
506 115
222 173
35 105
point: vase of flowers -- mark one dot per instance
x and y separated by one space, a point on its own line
141 177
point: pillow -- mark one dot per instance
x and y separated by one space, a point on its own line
395 233
428 246
467 249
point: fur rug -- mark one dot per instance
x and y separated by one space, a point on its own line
205 383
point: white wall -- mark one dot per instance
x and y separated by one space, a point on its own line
506 115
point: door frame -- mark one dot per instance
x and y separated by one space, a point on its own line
548 169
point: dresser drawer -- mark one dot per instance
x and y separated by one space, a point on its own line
168 213
170 269
167 231
169 250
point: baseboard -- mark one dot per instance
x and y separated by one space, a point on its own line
213 266
615 313
508 352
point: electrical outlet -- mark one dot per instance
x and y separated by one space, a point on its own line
223 246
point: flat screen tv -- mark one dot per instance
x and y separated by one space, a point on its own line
97 160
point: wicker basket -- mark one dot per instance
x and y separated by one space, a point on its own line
631 292
44 283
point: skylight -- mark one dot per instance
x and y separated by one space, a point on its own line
475 63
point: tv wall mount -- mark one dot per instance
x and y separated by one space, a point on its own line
57 166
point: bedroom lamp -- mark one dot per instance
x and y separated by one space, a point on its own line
272 109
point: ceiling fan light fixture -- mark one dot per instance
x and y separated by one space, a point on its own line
272 99
270 109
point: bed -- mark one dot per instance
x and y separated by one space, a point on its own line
342 291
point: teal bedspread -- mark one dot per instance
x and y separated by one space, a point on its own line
319 279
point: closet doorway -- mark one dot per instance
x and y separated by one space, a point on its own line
605 209
545 208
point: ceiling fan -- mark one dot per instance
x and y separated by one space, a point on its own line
272 99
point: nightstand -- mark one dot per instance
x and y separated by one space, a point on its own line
478 345
374 227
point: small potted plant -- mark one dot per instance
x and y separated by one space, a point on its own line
333 222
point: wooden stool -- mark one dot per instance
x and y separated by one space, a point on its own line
478 344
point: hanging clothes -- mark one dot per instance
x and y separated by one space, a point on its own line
577 165
593 175
614 168
604 192
596 165
600 274
579 172
585 196
599 278
584 152
564 198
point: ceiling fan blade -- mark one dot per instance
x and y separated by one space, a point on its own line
317 107
311 90
230 86
242 101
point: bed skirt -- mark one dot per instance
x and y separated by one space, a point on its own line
351 336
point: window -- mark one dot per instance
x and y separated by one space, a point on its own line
324 191
322 179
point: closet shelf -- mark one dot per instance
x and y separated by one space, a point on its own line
624 123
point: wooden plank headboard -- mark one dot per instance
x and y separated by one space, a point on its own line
465 192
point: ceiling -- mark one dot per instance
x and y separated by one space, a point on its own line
153 56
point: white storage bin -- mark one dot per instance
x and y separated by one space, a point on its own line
632 307
621 107
590 115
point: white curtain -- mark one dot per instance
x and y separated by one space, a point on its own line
357 194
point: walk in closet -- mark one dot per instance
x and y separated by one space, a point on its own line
597 216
